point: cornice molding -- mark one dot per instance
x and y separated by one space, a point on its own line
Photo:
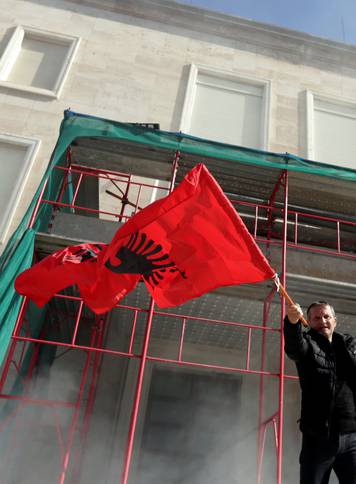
289 45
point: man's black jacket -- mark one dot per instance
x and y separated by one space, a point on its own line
315 361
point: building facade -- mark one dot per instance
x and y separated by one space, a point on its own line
211 76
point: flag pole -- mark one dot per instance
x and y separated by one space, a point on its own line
290 301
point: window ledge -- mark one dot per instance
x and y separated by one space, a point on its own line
30 89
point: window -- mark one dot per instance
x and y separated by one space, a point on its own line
16 157
331 125
37 61
222 107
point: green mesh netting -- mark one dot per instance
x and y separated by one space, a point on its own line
17 255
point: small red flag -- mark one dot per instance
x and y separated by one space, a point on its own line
72 265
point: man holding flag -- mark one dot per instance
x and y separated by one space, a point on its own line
326 364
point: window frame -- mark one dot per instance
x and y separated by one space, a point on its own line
191 89
13 48
32 145
310 97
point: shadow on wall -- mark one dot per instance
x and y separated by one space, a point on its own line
179 102
206 26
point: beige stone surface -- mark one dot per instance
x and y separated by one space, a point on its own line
132 65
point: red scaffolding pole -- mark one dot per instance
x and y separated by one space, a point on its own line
279 439
263 422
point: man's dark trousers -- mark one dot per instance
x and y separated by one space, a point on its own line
320 455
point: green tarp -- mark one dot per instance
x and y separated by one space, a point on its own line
17 255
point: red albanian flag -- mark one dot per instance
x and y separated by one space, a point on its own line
72 265
184 245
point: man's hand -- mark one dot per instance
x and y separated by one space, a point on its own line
294 313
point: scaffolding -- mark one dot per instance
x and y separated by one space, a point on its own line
101 181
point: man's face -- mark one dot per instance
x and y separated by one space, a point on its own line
322 319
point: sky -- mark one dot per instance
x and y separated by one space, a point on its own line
330 19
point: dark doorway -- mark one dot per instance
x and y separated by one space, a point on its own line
191 423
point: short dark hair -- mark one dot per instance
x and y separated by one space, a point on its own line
320 303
